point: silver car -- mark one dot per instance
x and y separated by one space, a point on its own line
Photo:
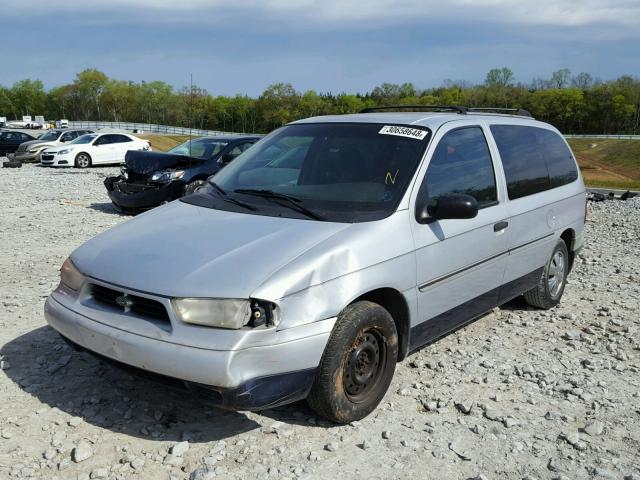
329 251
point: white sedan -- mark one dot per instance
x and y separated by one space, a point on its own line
93 149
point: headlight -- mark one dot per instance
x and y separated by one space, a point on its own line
35 149
167 176
214 312
62 152
70 275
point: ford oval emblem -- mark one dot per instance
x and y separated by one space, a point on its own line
124 301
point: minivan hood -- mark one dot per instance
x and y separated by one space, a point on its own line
144 162
181 250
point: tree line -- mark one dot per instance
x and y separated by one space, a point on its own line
573 103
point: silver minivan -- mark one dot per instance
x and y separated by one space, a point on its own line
329 251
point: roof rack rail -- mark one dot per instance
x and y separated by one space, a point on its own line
521 112
446 108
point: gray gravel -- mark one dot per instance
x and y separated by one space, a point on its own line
519 394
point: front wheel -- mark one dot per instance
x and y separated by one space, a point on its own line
83 160
193 186
357 365
548 292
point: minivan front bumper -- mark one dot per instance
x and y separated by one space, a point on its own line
251 378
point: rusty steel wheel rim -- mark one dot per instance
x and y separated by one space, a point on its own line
365 365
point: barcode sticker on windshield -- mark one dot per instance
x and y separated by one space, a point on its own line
403 132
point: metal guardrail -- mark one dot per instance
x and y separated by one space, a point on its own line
614 137
150 128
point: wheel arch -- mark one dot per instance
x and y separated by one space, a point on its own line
82 152
395 303
199 176
569 238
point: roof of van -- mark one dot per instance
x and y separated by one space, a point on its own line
432 120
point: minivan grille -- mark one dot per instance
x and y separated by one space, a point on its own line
145 307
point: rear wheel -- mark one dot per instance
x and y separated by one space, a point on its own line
357 365
83 160
193 186
548 292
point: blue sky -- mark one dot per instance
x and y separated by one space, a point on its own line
331 45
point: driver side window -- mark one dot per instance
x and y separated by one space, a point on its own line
103 140
461 164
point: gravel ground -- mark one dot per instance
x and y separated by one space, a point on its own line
519 394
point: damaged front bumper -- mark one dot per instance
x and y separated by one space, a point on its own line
250 376
27 157
133 197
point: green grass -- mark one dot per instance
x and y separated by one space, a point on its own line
162 143
613 184
608 163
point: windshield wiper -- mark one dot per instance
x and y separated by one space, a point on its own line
225 196
294 202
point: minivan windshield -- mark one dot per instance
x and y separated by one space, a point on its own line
203 148
343 172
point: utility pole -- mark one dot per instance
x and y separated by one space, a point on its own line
190 110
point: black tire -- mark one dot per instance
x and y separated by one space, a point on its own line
546 294
193 186
83 160
12 164
357 364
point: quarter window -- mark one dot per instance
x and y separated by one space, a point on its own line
120 139
461 164
560 163
534 159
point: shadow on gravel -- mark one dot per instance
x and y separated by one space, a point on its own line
517 303
44 366
106 207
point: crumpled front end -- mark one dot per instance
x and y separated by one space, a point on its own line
135 195
148 179
26 156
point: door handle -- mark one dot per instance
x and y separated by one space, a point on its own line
500 226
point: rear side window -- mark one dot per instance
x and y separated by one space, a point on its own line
560 164
461 163
534 159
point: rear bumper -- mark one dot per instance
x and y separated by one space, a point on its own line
251 378
136 198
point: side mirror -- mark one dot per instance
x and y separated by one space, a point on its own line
456 206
